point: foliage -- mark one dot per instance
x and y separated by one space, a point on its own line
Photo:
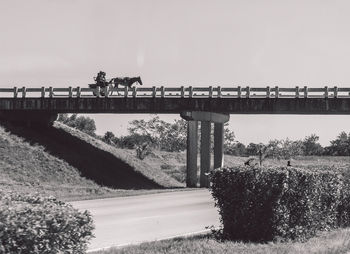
35 224
340 146
171 137
237 149
263 204
108 137
229 140
157 133
143 150
311 145
82 123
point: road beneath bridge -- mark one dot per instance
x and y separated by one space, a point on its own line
130 220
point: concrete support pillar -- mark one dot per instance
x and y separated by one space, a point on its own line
206 118
218 145
205 153
192 150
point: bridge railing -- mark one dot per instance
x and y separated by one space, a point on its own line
178 92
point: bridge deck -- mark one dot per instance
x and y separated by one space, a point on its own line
234 100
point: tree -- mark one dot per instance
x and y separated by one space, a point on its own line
109 137
229 140
166 136
311 145
284 149
252 149
340 146
82 123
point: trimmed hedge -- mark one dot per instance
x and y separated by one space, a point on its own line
264 204
35 224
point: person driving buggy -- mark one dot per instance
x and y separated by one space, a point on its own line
101 79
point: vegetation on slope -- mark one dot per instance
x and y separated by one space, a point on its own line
126 158
27 167
53 161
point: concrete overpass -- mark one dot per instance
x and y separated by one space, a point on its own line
195 104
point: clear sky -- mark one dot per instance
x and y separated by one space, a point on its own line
173 43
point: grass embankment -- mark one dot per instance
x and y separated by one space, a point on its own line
335 242
59 161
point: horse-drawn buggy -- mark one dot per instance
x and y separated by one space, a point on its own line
108 86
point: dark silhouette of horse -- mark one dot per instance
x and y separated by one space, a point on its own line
126 81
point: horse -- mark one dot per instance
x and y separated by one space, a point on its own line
126 81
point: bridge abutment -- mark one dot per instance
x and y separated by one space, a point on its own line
206 118
28 118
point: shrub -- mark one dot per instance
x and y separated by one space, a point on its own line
35 224
264 204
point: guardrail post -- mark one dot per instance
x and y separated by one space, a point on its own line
305 91
126 91
23 92
326 91
15 92
42 92
106 91
297 92
182 91
154 91
267 92
134 92
247 92
78 91
190 91
162 92
210 92
335 92
219 91
70 92
277 92
239 92
98 91
50 92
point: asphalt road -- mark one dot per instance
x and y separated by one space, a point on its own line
130 220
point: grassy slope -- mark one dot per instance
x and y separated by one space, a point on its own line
127 156
31 164
28 167
334 242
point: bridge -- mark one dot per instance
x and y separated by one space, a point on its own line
195 104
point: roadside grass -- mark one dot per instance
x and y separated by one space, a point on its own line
174 163
334 242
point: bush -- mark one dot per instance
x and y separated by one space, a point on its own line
34 224
265 204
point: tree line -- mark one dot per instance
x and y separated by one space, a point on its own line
158 134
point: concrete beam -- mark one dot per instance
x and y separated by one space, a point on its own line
205 116
205 153
218 145
192 150
319 106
